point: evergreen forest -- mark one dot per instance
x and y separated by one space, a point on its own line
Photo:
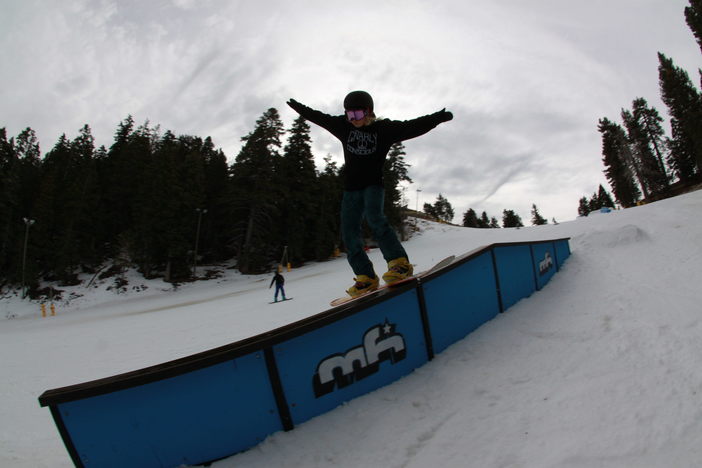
165 204
641 163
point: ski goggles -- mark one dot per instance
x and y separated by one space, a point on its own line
356 114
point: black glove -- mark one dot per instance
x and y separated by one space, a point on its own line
296 106
444 115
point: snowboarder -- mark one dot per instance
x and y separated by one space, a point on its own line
279 286
366 142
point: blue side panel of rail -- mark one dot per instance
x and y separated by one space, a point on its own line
562 251
515 270
544 263
328 366
223 401
461 300
197 416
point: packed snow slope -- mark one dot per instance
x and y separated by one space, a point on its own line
601 368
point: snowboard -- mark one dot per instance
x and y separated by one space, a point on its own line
282 300
346 299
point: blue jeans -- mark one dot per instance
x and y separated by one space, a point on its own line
367 203
279 289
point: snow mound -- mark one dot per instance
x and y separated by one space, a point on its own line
616 237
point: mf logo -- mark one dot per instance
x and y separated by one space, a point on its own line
380 343
545 264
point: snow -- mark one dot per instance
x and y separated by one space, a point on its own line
601 368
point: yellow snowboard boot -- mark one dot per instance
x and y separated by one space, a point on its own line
363 285
398 269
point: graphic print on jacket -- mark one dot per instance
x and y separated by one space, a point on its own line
362 143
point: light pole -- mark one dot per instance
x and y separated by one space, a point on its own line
199 212
416 209
28 223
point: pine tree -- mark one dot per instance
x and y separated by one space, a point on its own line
583 207
651 174
616 155
327 231
395 171
120 171
630 154
693 17
9 202
510 219
254 194
682 153
594 204
536 218
53 220
29 155
441 210
298 198
604 198
139 170
430 210
651 121
470 218
484 221
446 209
177 207
83 194
685 108
65 229
216 225
600 199
28 179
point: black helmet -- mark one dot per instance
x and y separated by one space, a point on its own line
358 100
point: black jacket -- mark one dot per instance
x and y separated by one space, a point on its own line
366 148
278 280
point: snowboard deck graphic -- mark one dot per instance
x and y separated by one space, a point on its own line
346 299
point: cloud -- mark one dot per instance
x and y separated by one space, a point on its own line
187 5
527 81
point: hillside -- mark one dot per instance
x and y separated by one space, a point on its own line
599 369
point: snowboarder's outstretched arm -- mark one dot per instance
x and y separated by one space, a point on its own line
329 122
404 130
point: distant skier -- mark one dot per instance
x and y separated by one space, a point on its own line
366 142
279 286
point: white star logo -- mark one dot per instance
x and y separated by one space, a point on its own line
387 328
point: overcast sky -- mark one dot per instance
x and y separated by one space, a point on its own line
527 81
